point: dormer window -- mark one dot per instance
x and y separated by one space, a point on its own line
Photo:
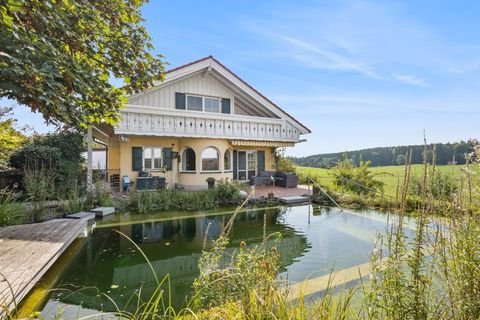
211 105
206 104
194 103
201 103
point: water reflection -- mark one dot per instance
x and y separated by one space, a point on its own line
111 263
314 241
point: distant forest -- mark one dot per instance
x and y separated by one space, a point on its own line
446 153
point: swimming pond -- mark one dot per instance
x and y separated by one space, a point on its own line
315 240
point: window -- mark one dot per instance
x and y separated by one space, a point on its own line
212 105
152 158
246 164
207 104
188 160
251 163
227 160
210 159
194 103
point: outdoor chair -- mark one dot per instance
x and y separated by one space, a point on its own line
263 178
286 179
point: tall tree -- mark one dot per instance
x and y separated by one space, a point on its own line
57 56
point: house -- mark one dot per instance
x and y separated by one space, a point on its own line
202 121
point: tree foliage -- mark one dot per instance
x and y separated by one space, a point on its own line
57 57
59 155
282 163
10 138
390 156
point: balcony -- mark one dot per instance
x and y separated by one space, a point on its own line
154 121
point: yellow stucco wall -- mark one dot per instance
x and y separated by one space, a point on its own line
145 141
198 178
113 157
120 157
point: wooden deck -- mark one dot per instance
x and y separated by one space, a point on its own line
263 191
27 252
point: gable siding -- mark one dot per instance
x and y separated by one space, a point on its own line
164 97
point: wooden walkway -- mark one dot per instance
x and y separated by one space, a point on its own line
27 252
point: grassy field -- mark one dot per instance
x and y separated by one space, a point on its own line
390 175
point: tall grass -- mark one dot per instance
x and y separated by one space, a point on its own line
11 212
225 193
39 183
163 200
432 275
74 202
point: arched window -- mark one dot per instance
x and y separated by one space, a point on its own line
188 160
210 159
227 160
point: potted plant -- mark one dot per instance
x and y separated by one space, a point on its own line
211 182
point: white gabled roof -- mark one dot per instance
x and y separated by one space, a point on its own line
211 63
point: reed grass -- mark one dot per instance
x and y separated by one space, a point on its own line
11 212
146 201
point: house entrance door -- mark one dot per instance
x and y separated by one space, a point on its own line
246 164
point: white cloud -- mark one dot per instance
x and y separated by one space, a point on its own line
410 79
314 56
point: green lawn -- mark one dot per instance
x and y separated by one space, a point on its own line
390 175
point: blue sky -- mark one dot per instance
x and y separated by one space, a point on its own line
357 73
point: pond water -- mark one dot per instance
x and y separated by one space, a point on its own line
314 241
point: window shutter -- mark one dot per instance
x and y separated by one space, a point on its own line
260 161
179 100
167 158
235 173
226 105
137 158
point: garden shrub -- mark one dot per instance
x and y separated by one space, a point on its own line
227 192
283 164
358 180
61 154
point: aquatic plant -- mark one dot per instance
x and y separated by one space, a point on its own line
163 200
99 195
11 212
74 202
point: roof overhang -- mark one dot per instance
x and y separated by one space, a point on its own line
210 64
